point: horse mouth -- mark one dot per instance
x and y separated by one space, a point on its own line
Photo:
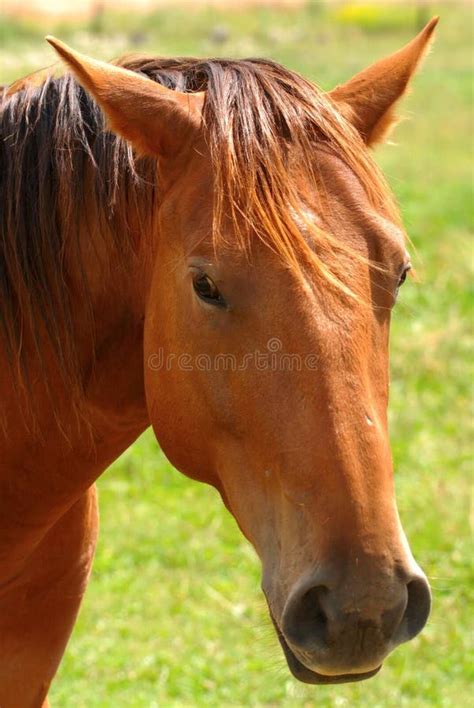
306 675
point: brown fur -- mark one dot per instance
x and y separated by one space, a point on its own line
257 115
251 178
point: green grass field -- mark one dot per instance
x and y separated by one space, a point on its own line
174 615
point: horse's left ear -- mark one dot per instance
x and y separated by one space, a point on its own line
369 98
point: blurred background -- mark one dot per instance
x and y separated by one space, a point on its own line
174 615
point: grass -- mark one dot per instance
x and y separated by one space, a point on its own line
173 614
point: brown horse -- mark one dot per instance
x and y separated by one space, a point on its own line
222 266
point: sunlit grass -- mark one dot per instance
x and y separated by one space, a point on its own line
174 615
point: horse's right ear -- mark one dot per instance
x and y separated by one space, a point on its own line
154 119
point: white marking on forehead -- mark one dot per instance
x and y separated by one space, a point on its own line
308 216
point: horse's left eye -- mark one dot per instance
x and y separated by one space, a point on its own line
403 276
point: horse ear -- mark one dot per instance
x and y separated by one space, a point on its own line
368 99
154 119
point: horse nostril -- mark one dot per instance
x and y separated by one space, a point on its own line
305 621
341 622
416 612
418 606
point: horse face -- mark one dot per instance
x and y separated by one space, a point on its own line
274 389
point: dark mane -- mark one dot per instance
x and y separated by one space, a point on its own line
52 137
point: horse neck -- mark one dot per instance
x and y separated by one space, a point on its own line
42 426
117 277
107 282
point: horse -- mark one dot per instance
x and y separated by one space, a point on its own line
206 247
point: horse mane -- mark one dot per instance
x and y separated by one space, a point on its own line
258 117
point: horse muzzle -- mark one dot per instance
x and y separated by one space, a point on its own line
341 632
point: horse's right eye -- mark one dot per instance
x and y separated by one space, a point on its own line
207 290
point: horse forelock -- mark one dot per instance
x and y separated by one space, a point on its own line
262 123
259 120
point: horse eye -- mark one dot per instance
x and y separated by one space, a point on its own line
403 276
207 290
